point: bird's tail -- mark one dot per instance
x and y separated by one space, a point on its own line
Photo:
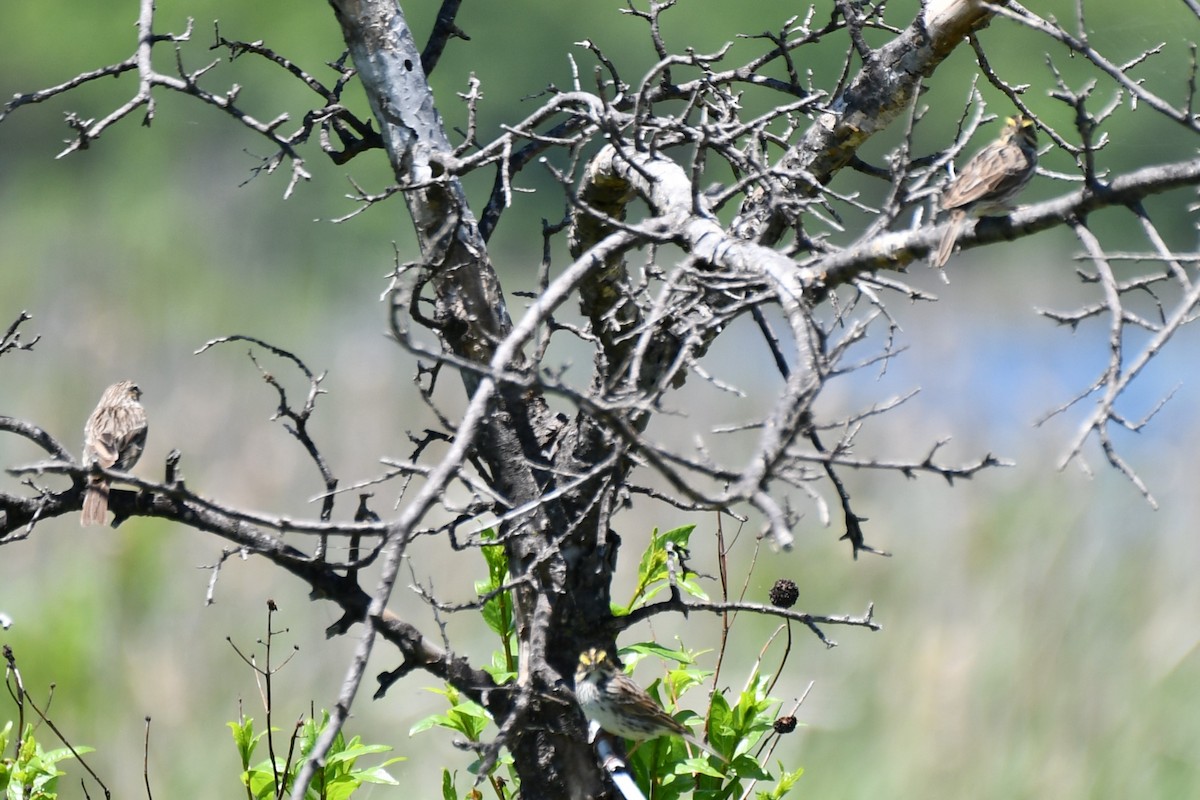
95 504
942 255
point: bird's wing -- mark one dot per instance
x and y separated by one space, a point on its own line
104 448
987 174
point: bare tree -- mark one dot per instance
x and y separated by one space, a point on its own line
685 214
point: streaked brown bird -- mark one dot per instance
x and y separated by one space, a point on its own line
989 181
621 707
113 437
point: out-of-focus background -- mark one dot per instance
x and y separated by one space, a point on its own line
1040 628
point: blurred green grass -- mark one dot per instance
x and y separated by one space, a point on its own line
1037 649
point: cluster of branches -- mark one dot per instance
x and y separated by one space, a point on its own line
636 162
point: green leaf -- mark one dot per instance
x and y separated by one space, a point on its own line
618 610
432 721
681 680
54 756
261 782
653 566
495 556
750 715
500 669
378 774
472 718
466 717
688 585
785 783
244 739
636 652
341 787
497 612
698 765
354 750
747 767
32 774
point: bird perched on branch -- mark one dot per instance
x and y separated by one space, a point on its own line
990 180
621 707
113 437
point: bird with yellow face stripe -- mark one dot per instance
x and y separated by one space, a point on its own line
989 181
611 698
